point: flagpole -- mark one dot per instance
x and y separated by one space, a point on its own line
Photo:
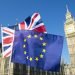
1 35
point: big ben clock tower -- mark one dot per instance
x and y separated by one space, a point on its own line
70 35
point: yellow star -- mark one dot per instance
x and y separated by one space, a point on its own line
29 36
24 40
35 36
44 50
36 59
31 59
41 55
41 38
24 46
27 57
25 52
44 43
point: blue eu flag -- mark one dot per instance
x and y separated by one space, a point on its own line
39 50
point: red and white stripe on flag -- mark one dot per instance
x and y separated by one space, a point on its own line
33 23
7 35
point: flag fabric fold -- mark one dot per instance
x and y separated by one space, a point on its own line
33 22
38 50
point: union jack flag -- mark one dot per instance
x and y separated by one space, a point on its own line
33 22
7 41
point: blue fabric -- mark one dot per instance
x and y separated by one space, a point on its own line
40 50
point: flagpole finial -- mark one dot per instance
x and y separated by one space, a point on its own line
16 20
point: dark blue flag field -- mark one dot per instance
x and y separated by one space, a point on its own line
41 50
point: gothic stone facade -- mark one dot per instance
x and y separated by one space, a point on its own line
20 69
70 37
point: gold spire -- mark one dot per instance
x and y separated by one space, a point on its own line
67 8
68 13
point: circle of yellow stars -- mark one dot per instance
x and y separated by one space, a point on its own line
41 56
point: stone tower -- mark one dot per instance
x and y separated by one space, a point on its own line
70 35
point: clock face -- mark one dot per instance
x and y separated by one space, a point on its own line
70 29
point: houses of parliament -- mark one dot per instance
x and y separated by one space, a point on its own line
66 69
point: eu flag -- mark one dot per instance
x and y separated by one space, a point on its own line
41 50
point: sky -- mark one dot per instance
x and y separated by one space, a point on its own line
52 13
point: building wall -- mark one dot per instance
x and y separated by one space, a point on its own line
20 69
69 28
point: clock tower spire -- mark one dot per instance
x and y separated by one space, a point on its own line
69 27
68 15
67 8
